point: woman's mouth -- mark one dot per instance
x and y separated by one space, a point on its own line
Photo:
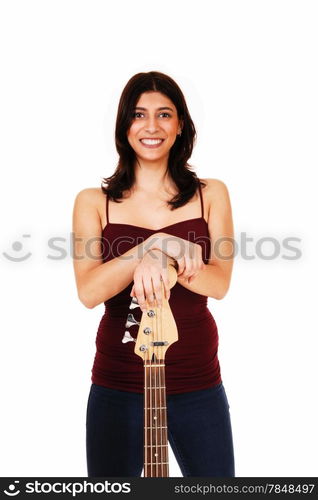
151 143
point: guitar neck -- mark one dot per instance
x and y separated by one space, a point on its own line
157 332
156 462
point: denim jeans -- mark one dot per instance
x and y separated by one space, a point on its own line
199 432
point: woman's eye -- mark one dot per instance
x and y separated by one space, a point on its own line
138 113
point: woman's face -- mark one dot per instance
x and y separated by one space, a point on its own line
155 117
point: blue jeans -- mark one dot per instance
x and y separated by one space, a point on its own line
199 432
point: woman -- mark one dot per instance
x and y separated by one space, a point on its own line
152 207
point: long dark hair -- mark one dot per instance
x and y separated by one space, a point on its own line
180 171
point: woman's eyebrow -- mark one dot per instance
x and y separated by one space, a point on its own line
158 109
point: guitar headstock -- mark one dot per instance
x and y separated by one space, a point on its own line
157 327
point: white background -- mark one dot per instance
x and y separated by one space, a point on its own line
248 70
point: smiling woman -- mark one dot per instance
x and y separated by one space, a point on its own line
126 268
169 123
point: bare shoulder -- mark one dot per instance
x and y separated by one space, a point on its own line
215 185
216 193
90 196
87 209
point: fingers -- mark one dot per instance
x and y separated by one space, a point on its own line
152 287
200 267
166 284
139 293
189 268
181 265
148 290
158 291
151 283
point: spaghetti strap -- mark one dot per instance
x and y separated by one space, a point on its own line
202 207
107 220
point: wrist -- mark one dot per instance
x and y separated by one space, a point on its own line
155 242
152 253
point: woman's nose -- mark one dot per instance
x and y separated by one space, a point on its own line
151 124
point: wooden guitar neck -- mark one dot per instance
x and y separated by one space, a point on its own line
156 459
157 331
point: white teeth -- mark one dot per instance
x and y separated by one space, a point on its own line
151 141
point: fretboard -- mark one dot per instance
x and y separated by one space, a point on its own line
155 421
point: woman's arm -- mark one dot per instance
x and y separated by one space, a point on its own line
214 279
97 281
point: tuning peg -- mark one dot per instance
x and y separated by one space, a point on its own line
131 321
127 338
134 303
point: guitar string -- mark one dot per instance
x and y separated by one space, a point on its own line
145 416
159 385
163 392
159 330
150 418
161 403
148 411
155 361
153 407
156 389
164 423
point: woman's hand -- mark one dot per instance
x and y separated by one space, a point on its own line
148 276
188 255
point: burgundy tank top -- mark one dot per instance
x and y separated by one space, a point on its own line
192 362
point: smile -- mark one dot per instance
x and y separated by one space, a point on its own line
151 143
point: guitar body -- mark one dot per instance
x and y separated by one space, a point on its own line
157 331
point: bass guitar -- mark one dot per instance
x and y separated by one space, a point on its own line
157 331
